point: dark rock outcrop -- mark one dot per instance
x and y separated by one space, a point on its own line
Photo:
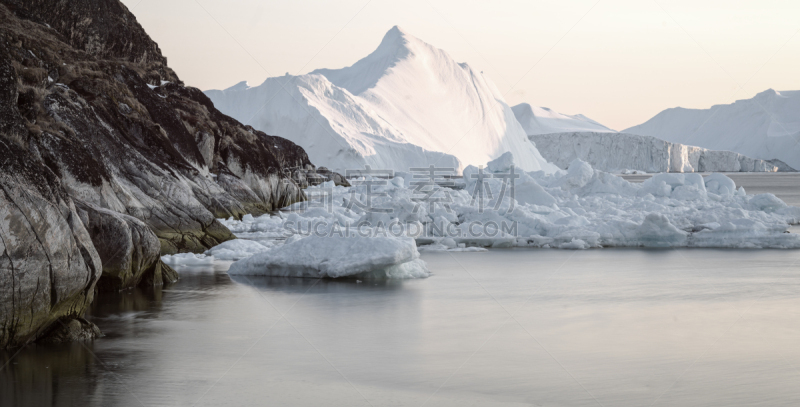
48 264
106 114
97 133
129 251
75 329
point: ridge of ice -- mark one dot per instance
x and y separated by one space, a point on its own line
618 152
543 120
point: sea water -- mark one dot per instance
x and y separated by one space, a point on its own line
607 327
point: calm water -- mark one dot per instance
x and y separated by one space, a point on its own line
609 327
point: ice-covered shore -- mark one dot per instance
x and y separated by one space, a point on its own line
335 234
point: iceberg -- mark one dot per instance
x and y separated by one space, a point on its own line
406 105
238 249
335 257
542 120
618 152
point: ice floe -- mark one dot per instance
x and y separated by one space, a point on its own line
315 256
374 227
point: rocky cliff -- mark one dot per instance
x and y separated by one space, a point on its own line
108 160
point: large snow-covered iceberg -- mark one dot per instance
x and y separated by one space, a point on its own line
337 130
408 104
616 152
542 120
766 127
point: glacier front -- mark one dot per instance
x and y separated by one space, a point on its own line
617 152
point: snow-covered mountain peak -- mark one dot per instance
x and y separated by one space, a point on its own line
396 35
401 44
396 47
406 104
396 44
243 85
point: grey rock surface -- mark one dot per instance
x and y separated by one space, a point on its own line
48 264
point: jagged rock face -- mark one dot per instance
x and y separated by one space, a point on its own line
104 29
120 137
107 161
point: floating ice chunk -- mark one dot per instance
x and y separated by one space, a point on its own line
188 259
238 249
575 244
315 256
547 210
528 191
449 245
501 164
579 174
720 184
745 234
657 231
766 203
689 193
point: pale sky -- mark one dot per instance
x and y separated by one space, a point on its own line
617 61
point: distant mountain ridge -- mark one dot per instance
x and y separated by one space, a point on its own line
766 126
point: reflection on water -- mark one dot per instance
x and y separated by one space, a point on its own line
507 327
48 376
